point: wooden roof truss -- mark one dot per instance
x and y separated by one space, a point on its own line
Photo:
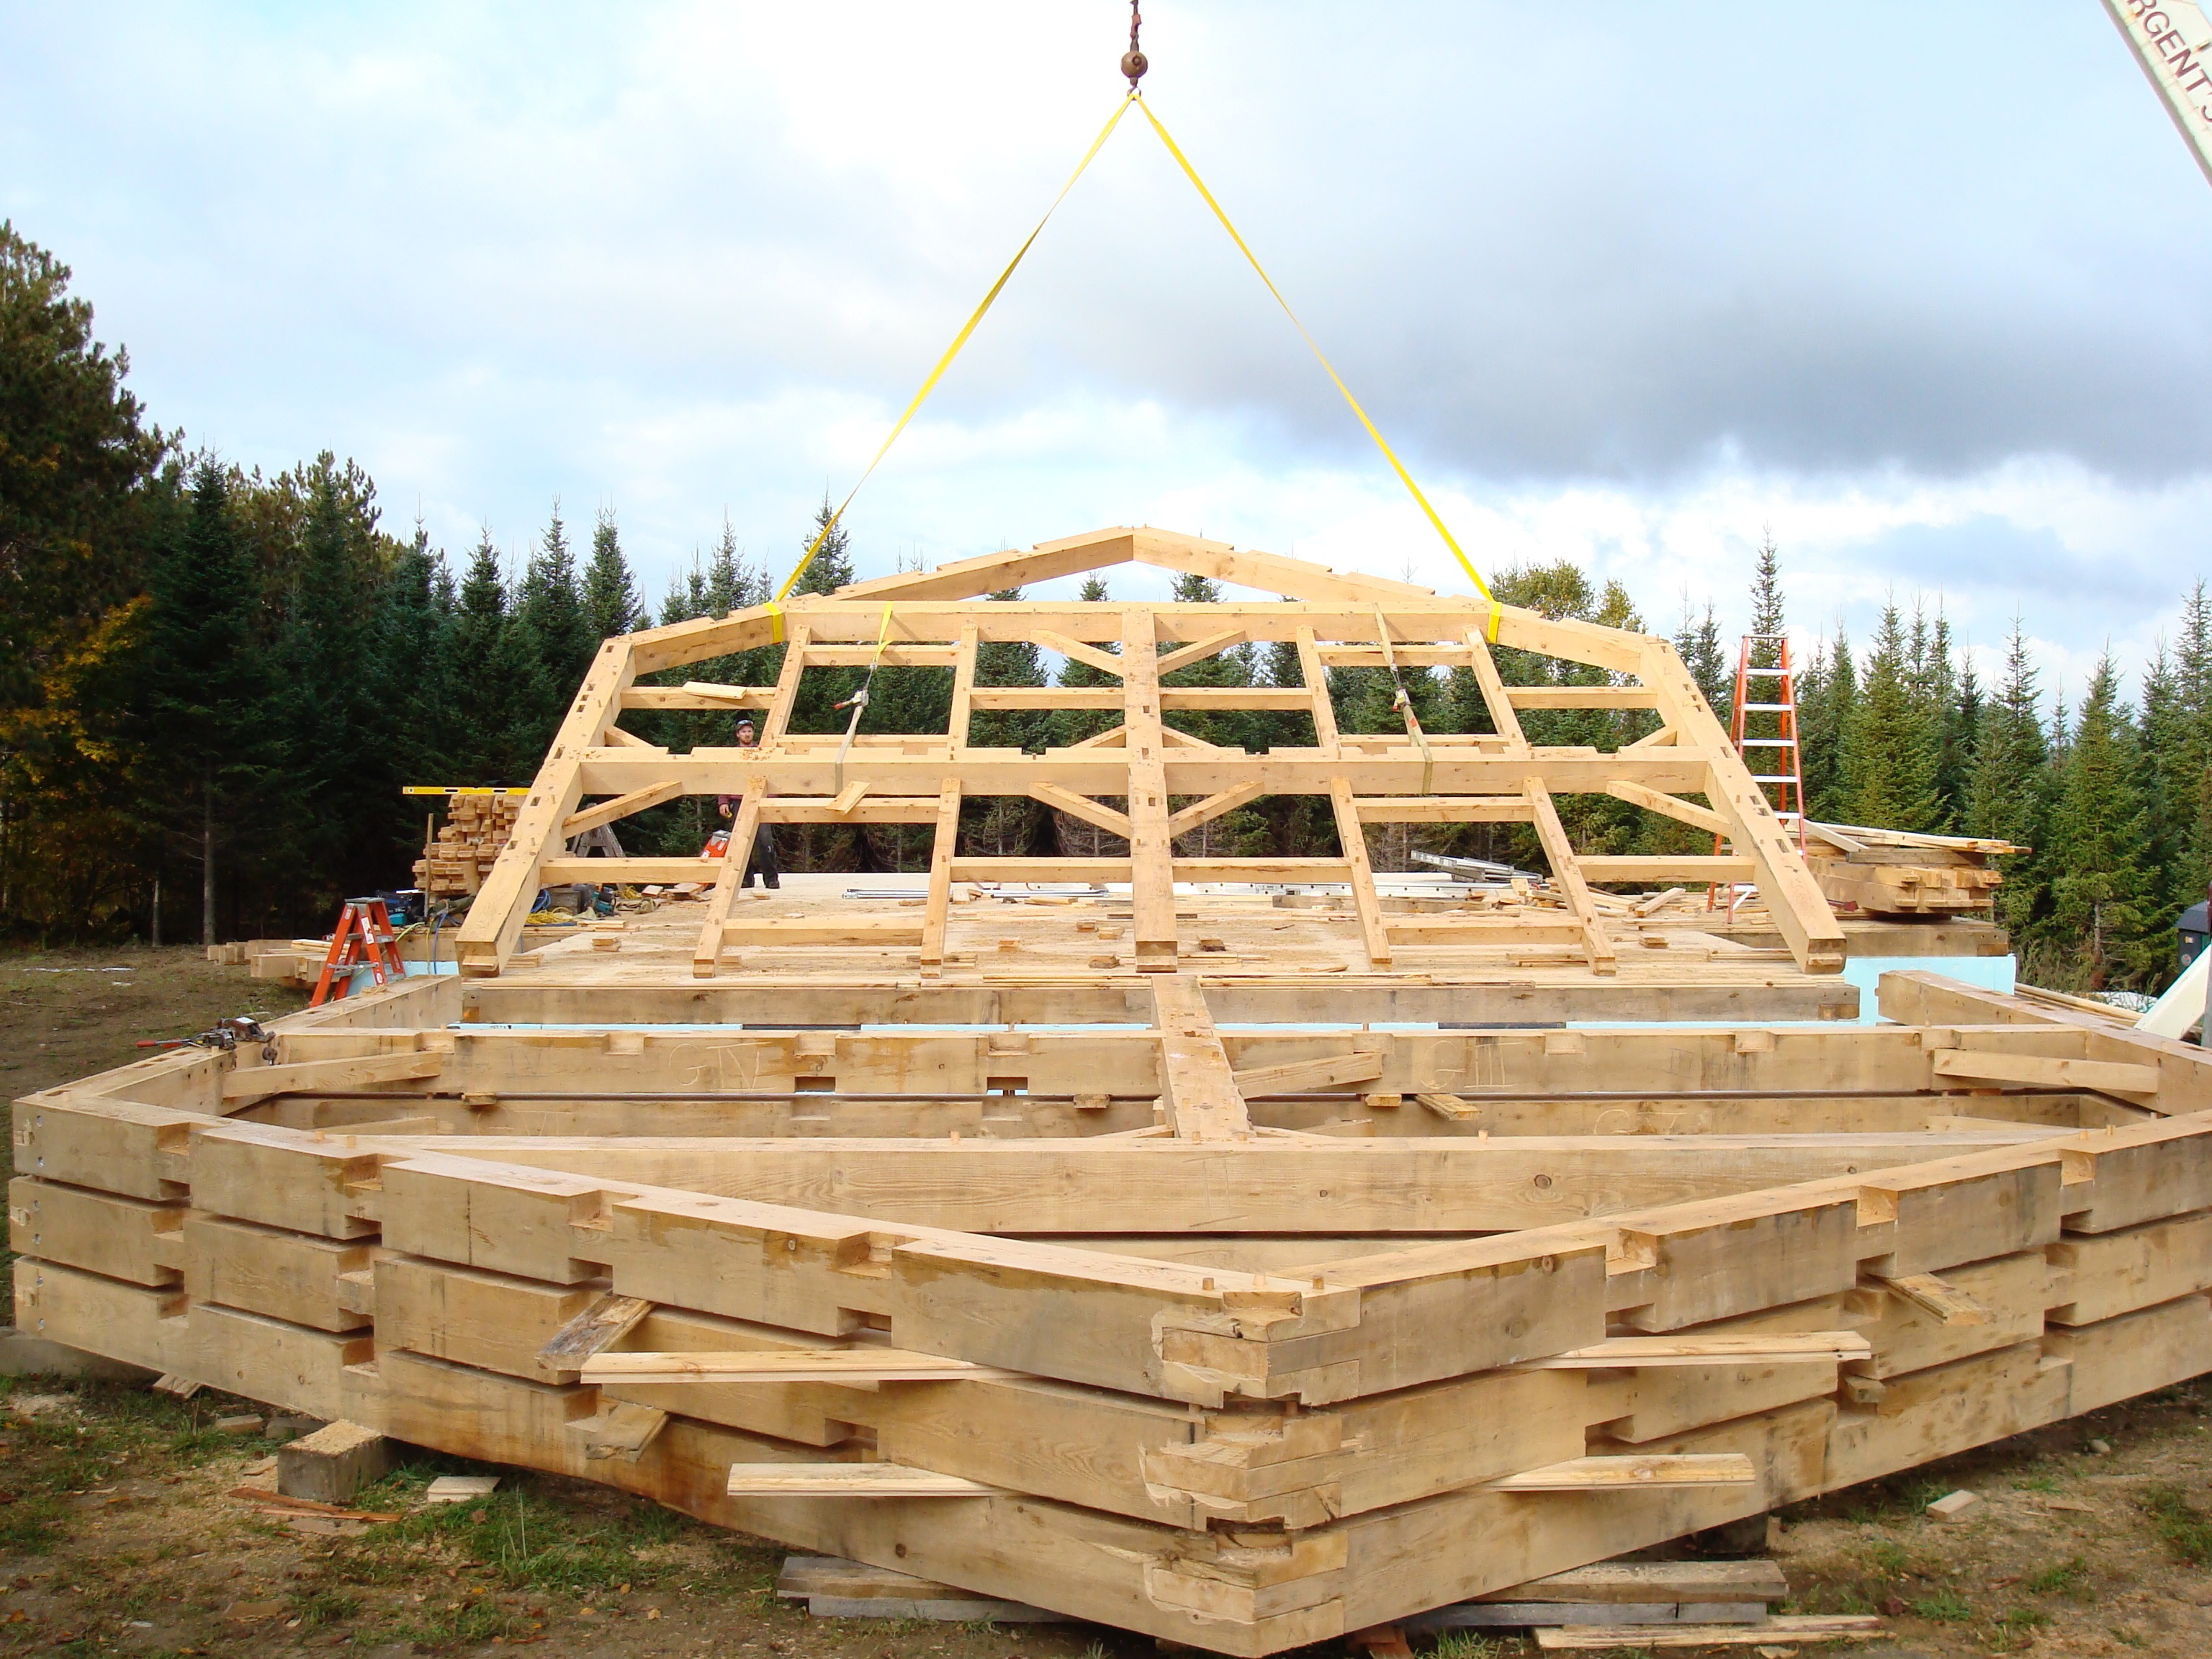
1334 620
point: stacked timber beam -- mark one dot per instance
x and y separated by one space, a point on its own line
1895 872
1212 1285
1524 1346
468 844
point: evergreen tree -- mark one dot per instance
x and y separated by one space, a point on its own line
1225 729
345 797
2008 792
1890 750
1699 640
2186 765
610 604
208 697
483 703
1767 610
2101 895
414 631
832 567
551 608
1822 720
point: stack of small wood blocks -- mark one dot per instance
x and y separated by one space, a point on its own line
476 829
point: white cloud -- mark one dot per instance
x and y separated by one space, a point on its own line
1627 284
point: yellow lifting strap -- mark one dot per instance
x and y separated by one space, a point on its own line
1435 521
775 612
1388 454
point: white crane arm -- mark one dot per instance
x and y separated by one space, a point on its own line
2174 43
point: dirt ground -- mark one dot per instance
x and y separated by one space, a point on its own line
122 1531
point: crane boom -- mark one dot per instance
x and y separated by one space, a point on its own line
2174 43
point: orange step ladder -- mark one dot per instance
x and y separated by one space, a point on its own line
1779 768
363 937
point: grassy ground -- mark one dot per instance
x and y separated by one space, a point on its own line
66 1014
119 1532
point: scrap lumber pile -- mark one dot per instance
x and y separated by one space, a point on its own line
1895 872
1240 1272
468 844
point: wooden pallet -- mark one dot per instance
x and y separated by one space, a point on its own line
1244 1288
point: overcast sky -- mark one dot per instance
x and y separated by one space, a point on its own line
1921 288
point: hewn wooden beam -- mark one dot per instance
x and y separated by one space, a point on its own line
1653 800
1445 809
706 955
621 806
1199 650
1213 807
1151 876
1082 808
1665 867
494 925
1567 875
1581 696
1104 661
963 688
943 849
1352 839
851 1365
1203 1101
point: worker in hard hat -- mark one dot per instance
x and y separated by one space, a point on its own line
762 865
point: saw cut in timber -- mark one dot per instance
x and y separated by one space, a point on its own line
1245 1252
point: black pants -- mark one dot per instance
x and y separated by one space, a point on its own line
762 866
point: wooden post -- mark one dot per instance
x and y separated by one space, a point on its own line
1359 873
1494 694
787 687
706 955
1316 679
1152 870
494 925
942 852
1565 871
963 689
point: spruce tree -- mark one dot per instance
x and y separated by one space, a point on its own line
610 604
552 607
2008 786
832 567
1821 726
2173 782
1069 726
483 703
1699 640
345 793
2100 896
414 631
208 700
1890 750
1767 605
2188 768
1234 666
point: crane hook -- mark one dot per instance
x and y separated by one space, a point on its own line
1133 62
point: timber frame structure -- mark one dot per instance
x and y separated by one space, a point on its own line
1289 1268
929 619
